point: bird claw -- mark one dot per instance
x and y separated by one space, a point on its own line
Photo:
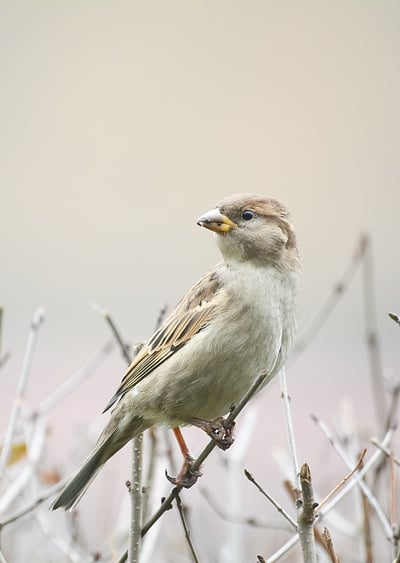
186 477
218 430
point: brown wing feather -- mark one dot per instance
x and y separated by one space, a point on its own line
193 312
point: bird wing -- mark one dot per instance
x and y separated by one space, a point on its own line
193 312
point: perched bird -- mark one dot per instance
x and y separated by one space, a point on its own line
237 320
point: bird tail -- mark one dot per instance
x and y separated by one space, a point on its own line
107 446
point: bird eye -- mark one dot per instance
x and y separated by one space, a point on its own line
247 215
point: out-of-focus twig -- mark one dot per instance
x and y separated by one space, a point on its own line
186 529
306 516
3 357
386 451
327 307
284 549
393 488
74 380
289 428
394 318
33 505
278 507
149 478
2 558
371 326
35 442
391 421
371 498
37 321
327 538
369 556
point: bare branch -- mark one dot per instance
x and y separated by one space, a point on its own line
306 516
363 471
371 498
289 428
386 451
341 483
327 538
367 529
75 380
278 507
3 357
393 487
332 300
249 521
186 529
38 318
33 505
371 325
124 347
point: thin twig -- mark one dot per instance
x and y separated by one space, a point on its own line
394 402
369 557
371 326
167 502
284 549
2 558
340 495
393 487
278 507
343 481
37 321
386 451
375 457
326 536
83 373
249 521
124 347
306 516
186 529
6 356
33 505
35 441
289 428
371 498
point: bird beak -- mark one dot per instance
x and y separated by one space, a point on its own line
215 221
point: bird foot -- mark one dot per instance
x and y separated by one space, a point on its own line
218 430
187 476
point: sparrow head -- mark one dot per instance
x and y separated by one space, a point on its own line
251 227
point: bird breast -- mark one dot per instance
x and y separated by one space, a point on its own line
252 331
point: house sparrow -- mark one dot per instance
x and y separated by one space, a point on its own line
237 320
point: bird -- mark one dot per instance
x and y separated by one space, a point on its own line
237 320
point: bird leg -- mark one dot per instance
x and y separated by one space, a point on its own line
186 477
218 430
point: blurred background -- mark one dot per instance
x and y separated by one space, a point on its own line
122 122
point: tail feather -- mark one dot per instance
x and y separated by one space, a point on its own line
106 448
80 481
